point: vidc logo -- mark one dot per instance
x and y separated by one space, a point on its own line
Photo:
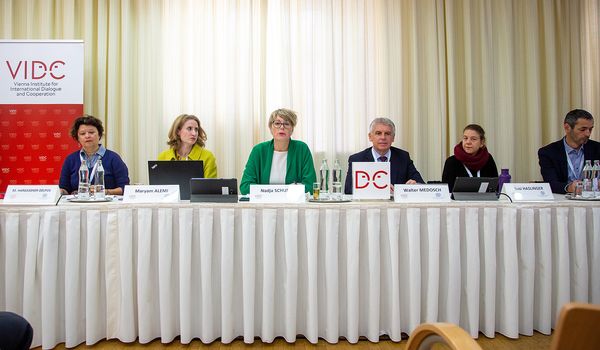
36 69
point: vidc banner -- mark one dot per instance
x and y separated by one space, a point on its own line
41 92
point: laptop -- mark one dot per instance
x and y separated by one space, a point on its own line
475 189
175 172
213 190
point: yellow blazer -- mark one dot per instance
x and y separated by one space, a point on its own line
197 153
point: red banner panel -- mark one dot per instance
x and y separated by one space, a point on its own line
35 141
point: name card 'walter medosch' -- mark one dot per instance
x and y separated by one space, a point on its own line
421 193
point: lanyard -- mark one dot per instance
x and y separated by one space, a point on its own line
469 172
577 176
94 169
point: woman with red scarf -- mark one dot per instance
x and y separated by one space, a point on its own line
471 158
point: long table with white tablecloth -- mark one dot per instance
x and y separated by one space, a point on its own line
83 273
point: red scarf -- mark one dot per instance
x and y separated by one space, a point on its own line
472 161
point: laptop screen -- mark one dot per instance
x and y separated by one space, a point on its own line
214 190
175 172
475 184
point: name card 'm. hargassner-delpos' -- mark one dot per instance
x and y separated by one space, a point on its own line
32 194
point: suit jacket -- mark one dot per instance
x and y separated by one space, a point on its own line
402 167
554 166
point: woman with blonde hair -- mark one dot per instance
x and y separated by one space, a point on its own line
187 140
281 160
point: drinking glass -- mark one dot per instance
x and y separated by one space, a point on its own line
316 190
587 190
337 194
578 189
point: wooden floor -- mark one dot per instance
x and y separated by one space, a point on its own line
536 342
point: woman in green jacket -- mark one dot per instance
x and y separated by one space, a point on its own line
281 160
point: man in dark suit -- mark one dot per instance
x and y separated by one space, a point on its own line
561 162
381 134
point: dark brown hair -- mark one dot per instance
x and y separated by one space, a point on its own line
478 129
86 120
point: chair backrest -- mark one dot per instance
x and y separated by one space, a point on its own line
428 334
578 328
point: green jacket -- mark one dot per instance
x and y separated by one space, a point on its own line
300 167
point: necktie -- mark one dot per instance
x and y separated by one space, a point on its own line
382 159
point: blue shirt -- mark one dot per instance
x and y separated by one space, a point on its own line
91 160
575 160
376 155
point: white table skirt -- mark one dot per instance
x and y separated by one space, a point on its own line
83 273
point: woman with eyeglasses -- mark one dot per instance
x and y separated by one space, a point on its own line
280 160
186 141
471 157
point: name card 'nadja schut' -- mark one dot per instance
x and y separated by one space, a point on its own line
277 194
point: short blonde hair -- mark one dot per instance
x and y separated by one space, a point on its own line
175 140
286 114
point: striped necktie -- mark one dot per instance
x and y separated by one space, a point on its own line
382 159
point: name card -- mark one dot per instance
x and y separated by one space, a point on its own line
151 194
371 180
32 194
277 194
421 193
523 192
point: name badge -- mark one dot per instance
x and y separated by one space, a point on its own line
32 194
421 193
523 192
151 194
277 194
371 180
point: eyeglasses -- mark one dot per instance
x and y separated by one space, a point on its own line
279 125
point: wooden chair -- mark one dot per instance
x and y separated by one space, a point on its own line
578 328
428 334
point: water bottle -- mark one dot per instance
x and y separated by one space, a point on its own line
587 191
587 179
336 185
100 191
587 170
595 182
83 191
337 171
324 179
503 178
